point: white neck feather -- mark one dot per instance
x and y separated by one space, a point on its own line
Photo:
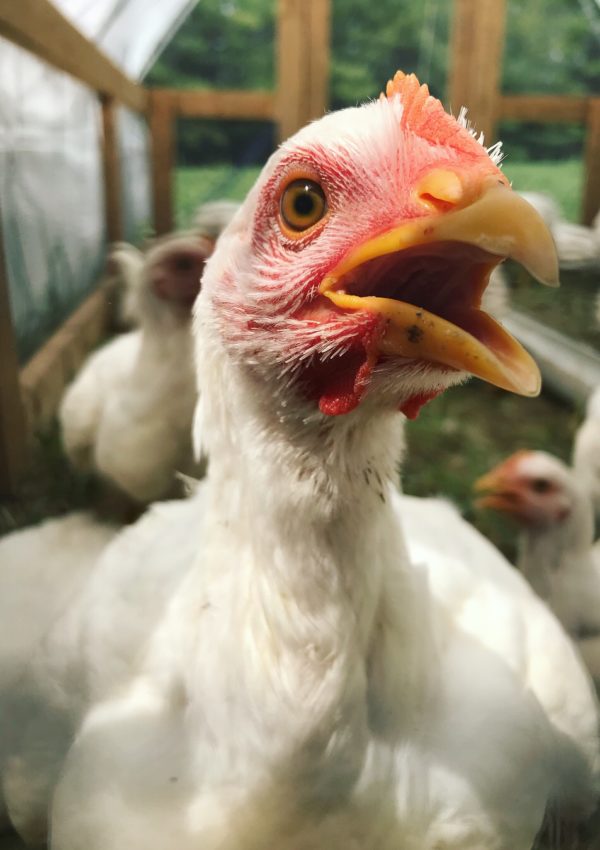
564 546
299 517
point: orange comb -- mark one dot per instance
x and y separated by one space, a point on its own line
423 113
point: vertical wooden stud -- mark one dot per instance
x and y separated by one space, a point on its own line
162 129
591 190
302 62
477 46
112 171
13 434
320 27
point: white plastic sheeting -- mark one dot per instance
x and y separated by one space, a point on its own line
51 189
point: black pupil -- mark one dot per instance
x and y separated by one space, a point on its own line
304 202
184 263
540 485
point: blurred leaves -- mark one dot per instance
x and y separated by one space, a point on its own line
551 47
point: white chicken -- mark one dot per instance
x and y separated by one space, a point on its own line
125 267
212 217
276 672
557 554
128 413
577 246
586 450
42 570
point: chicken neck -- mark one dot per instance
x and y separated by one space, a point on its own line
304 558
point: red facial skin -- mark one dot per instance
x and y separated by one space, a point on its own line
370 188
530 499
176 275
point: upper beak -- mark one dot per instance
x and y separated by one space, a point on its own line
500 489
498 224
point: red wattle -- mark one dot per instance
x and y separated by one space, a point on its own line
412 406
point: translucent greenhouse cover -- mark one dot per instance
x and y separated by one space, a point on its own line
51 183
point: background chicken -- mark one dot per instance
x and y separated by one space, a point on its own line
557 554
298 681
128 413
42 571
577 246
586 450
125 271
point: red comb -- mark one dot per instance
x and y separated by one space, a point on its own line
423 113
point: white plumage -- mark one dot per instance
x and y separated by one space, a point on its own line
557 554
265 665
42 571
211 218
586 450
128 413
577 246
125 268
496 298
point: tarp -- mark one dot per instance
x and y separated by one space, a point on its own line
51 187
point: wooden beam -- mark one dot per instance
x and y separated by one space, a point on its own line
13 436
320 26
44 378
543 108
113 214
39 27
591 191
302 62
192 103
477 46
162 130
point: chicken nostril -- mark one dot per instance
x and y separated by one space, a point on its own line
441 189
437 203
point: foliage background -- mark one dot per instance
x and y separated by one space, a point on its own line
552 46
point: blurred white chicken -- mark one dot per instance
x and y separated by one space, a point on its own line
125 263
586 450
557 554
577 246
124 269
42 571
128 413
213 217
266 666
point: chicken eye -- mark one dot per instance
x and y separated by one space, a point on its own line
303 204
541 485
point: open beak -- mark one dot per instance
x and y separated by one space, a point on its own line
426 277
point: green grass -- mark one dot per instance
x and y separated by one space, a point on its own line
464 432
194 186
562 179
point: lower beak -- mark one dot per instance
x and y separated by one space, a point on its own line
498 225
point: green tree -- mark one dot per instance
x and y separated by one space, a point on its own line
551 47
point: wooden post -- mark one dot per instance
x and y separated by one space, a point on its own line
302 62
112 171
38 26
477 46
591 189
162 119
13 435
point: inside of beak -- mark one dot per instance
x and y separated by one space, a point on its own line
425 278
